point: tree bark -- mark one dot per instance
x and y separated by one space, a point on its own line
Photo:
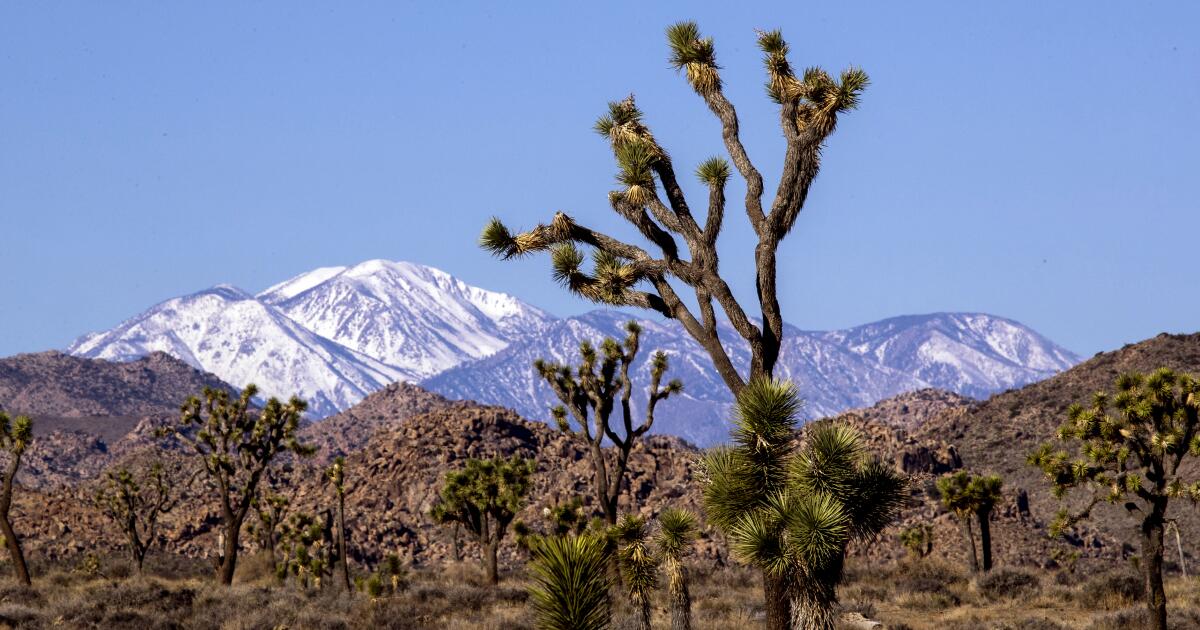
10 536
985 539
969 538
678 595
342 543
491 570
776 601
814 605
1152 561
229 553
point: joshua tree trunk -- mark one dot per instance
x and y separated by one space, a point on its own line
229 553
969 538
10 536
1152 561
775 597
642 602
342 543
814 605
490 549
680 598
985 539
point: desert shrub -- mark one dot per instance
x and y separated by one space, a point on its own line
862 607
13 615
11 591
1029 623
1113 590
929 601
1005 583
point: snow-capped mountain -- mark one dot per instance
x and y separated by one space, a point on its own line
228 332
335 334
971 354
419 318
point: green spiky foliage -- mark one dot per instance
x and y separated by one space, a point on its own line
15 436
307 541
678 242
236 445
917 540
1130 448
677 529
570 583
484 497
596 406
335 475
271 509
638 564
134 501
972 498
792 511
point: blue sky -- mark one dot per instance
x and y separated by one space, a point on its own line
1033 160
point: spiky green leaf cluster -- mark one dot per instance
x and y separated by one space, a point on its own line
1128 445
694 54
794 511
15 435
676 530
570 583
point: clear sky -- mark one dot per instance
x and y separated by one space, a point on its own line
1034 160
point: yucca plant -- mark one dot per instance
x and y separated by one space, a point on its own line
676 531
793 513
638 564
570 583
15 437
1131 448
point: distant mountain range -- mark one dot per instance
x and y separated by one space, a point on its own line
334 335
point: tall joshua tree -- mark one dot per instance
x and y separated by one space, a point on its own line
592 392
14 439
336 474
236 445
676 531
652 200
484 497
957 497
794 512
134 502
1131 448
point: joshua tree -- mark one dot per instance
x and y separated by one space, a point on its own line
918 540
571 583
484 497
676 531
970 497
236 445
625 274
591 392
1130 448
638 564
793 513
135 505
307 542
336 474
14 439
271 509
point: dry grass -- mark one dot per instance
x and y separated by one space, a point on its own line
920 595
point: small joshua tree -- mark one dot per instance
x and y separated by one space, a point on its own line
484 497
969 497
676 531
570 583
592 392
793 513
14 439
1131 448
271 508
336 474
135 503
307 553
236 445
638 564
917 540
